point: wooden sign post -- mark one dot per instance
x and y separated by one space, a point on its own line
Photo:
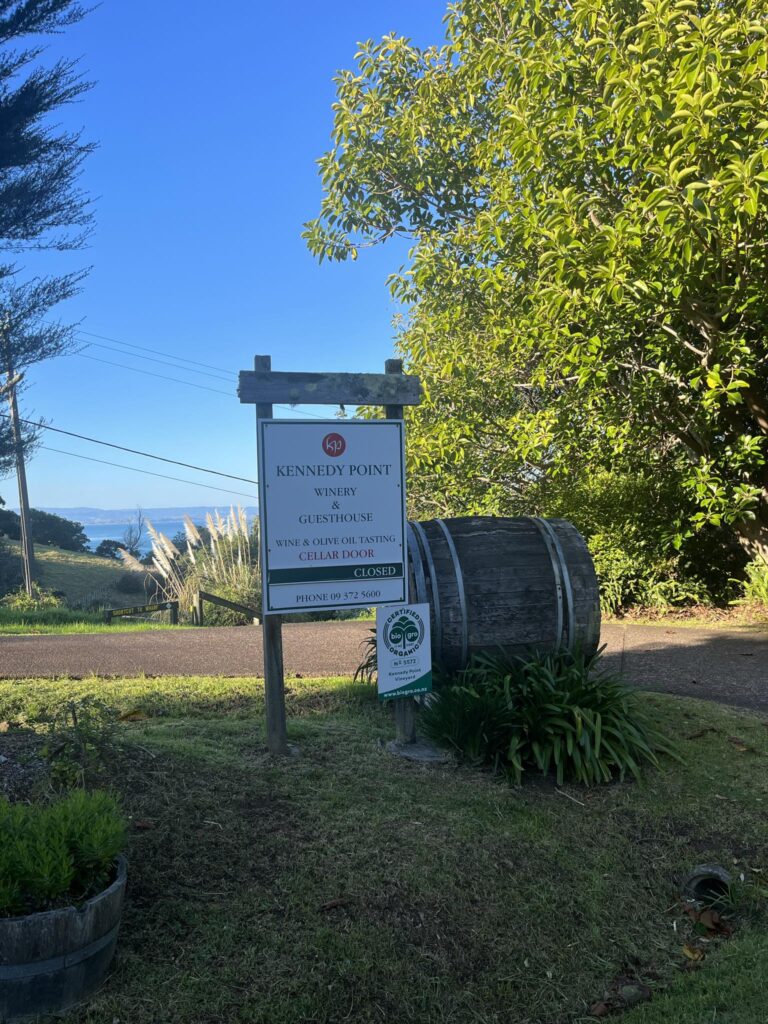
264 387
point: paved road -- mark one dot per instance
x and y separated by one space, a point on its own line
727 665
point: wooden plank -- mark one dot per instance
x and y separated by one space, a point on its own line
272 625
391 389
142 609
222 602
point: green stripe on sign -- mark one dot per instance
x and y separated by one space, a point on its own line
421 685
327 573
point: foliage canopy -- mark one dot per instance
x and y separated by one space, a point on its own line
586 188
41 205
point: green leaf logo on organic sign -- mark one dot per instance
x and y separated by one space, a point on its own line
403 633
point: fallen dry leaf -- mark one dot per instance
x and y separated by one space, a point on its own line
739 743
710 919
332 904
599 1009
701 732
692 953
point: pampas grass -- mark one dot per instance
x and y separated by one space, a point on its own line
227 565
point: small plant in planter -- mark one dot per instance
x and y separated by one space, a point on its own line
62 881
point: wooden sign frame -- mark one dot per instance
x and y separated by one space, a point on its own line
263 387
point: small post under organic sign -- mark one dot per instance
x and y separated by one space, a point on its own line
405 708
332 508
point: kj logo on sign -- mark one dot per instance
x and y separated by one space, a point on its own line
334 445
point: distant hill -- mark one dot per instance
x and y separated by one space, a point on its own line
106 516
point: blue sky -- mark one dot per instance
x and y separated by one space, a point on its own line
209 120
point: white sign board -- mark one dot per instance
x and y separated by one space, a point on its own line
332 505
403 651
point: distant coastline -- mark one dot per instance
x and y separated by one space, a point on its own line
92 516
111 523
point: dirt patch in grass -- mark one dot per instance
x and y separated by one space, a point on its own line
22 770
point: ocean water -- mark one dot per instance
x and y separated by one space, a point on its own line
97 532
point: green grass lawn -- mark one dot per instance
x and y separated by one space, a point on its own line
345 884
64 620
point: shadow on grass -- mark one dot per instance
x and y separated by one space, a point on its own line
182 697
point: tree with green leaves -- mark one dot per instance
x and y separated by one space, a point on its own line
585 185
41 207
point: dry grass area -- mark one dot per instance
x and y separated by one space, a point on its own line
348 885
82 576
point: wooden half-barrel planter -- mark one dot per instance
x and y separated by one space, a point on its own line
55 959
515 584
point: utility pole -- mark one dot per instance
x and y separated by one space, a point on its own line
27 548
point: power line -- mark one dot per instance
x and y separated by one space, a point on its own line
189 383
165 362
157 352
177 360
149 373
147 472
135 451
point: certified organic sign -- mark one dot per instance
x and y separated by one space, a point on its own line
403 656
332 499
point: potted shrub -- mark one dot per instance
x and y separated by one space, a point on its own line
62 882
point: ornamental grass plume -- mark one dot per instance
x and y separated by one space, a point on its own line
222 559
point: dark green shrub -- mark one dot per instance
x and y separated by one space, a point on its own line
247 593
48 528
109 549
56 854
129 583
556 712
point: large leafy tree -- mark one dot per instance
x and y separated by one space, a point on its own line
41 205
586 187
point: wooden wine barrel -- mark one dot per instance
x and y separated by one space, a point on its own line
519 584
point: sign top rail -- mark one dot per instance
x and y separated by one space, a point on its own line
271 386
